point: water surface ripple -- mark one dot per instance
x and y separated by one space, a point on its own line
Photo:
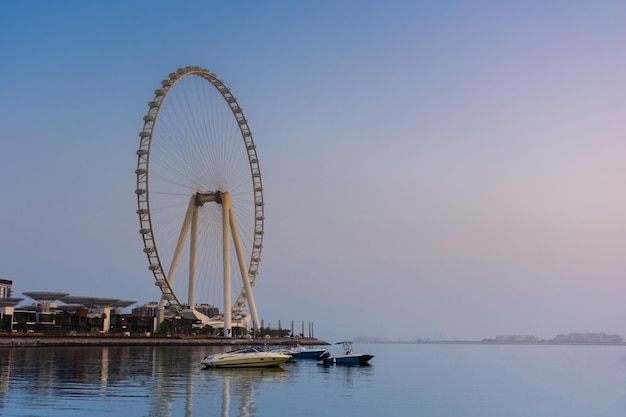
433 380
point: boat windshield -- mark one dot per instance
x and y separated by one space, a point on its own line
249 350
347 347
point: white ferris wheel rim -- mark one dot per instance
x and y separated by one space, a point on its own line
248 190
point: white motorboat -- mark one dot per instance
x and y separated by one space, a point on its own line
245 358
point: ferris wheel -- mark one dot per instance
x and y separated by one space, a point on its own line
200 197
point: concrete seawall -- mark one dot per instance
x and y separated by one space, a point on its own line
45 340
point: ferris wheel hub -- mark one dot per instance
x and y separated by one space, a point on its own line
207 197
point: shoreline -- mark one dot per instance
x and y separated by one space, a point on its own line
34 340
493 343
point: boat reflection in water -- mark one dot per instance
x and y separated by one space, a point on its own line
238 386
130 380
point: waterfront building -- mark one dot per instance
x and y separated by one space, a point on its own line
7 305
147 310
131 323
6 288
208 310
76 314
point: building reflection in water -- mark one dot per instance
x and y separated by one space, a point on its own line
165 379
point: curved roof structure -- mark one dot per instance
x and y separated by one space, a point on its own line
123 303
46 295
10 301
90 301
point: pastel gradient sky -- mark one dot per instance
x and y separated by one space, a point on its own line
431 169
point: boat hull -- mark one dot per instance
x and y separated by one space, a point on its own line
309 354
352 359
245 359
247 363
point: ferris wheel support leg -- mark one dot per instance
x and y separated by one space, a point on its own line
181 241
193 244
243 268
160 316
226 267
179 249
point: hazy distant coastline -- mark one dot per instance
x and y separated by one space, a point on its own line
561 339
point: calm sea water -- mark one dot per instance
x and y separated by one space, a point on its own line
403 380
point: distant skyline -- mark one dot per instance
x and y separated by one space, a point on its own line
431 169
